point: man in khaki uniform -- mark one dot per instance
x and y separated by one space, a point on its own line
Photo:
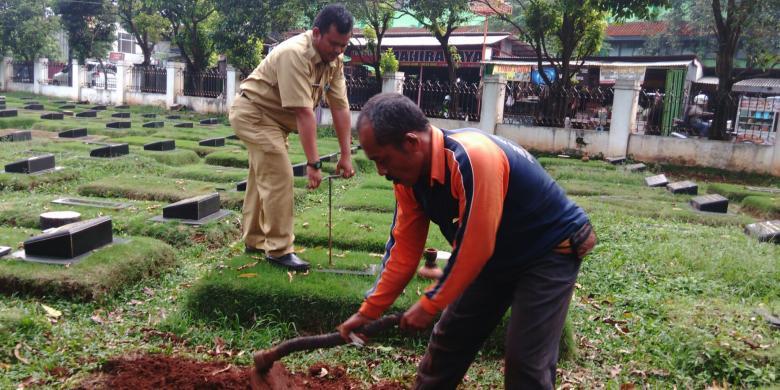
278 98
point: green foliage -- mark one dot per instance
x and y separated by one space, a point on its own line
378 16
189 29
388 63
26 31
91 30
142 19
765 206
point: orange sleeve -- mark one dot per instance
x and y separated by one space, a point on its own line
479 180
402 253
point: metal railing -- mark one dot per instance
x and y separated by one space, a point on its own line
359 90
440 100
23 72
210 83
575 107
57 73
148 79
93 77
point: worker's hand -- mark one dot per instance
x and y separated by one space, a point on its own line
357 320
344 167
416 318
315 177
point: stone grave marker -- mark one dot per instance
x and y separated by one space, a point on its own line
154 125
53 116
17 136
683 187
102 204
232 136
67 107
30 165
241 186
73 133
161 146
616 160
299 169
713 203
636 167
8 113
657 181
122 107
98 108
119 125
333 157
53 219
34 107
109 151
124 115
173 117
187 125
68 113
193 211
70 241
87 114
210 121
149 115
216 142
766 231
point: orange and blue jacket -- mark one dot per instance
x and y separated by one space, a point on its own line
493 202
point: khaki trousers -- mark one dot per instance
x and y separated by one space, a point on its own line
268 203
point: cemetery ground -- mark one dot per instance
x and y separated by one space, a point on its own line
670 296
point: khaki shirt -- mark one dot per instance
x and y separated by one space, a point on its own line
293 75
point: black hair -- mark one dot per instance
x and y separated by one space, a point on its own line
337 15
392 116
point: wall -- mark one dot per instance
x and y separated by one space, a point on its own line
19 87
553 139
140 98
56 91
203 105
98 96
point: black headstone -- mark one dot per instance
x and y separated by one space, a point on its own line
121 115
657 181
119 125
241 186
122 107
114 150
32 164
149 115
683 187
210 121
184 125
154 125
53 219
53 116
8 113
59 102
68 113
173 117
72 240
87 114
333 157
32 102
212 142
713 203
616 160
161 146
193 208
36 107
636 167
767 231
2 106
73 133
232 136
16 136
299 169
98 108
67 107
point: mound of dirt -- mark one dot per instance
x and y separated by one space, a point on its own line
165 372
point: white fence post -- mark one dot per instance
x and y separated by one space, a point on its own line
75 74
775 168
231 86
40 65
121 82
173 82
492 109
393 82
5 73
623 116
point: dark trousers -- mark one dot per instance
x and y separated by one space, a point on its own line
539 296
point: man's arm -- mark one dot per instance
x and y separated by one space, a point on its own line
307 129
342 121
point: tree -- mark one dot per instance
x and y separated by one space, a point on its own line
27 29
378 16
189 29
91 30
142 19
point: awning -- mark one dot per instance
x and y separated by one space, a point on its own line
758 86
423 41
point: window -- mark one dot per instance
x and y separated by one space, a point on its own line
126 43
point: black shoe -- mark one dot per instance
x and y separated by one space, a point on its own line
253 251
290 261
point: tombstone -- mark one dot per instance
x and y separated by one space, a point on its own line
154 125
299 169
109 151
91 203
656 181
2 106
8 113
32 102
72 240
616 160
216 142
241 186
683 187
31 165
124 115
73 133
68 113
333 157
53 219
713 203
67 107
87 114
35 107
636 167
161 146
210 121
4 250
193 208
98 108
59 102
232 136
187 125
122 107
119 125
26 98
767 231
149 115
17 136
53 116
173 117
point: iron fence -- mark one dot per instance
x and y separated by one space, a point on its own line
359 90
98 76
438 99
23 72
575 107
210 83
57 73
148 79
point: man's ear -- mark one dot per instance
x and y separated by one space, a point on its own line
316 32
411 141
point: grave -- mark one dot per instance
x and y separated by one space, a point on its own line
32 102
67 107
232 136
30 165
16 136
657 181
616 160
122 107
333 157
193 211
241 186
149 115
2 106
767 231
173 117
683 187
124 115
35 107
154 125
4 250
713 203
216 142
53 116
109 151
8 113
210 121
119 125
102 204
636 167
59 102
73 133
68 113
87 114
161 146
69 243
187 125
55 219
299 169
98 108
